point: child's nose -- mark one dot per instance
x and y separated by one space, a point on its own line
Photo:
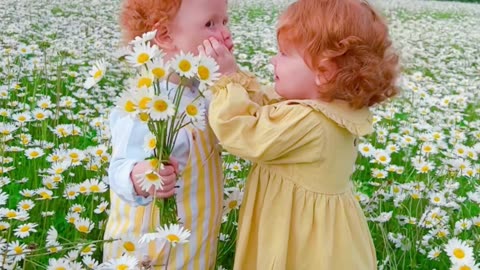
226 36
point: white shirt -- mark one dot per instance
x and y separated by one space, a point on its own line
128 136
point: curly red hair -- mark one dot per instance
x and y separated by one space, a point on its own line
141 16
352 35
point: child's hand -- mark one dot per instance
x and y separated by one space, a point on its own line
221 54
168 174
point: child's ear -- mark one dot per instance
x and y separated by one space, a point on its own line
325 72
163 39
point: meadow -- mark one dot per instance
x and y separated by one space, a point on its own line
417 176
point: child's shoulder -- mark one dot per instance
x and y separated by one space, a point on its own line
357 121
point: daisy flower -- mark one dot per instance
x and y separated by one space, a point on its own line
90 262
72 218
34 153
26 205
195 111
162 108
45 102
127 103
84 225
158 69
41 114
144 38
173 233
233 201
207 71
19 251
44 193
458 251
97 72
22 117
96 186
52 235
130 244
87 249
184 64
150 179
366 149
125 262
149 143
142 53
57 264
24 230
101 207
143 80
470 265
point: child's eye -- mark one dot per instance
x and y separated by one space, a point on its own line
209 24
225 22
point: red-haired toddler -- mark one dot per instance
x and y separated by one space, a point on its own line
299 210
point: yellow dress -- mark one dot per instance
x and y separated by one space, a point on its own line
299 210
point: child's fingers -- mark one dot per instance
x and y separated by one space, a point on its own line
220 49
165 194
208 48
174 164
201 50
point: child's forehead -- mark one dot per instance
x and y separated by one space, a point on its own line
204 7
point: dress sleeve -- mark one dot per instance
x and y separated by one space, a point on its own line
276 133
260 94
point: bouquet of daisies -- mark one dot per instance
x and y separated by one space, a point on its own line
155 96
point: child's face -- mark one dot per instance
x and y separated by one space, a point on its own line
198 20
293 78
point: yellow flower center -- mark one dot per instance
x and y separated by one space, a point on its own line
425 169
18 250
383 158
143 117
11 214
143 103
83 228
144 82
122 267
458 253
427 149
203 73
95 189
158 72
172 238
160 105
152 143
86 249
34 154
465 267
98 74
184 65
232 204
25 229
40 116
129 106
22 118
192 110
129 246
143 58
436 199
152 177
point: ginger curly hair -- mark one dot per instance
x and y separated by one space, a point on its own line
140 16
351 34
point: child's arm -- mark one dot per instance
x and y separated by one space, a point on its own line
266 134
260 94
128 158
